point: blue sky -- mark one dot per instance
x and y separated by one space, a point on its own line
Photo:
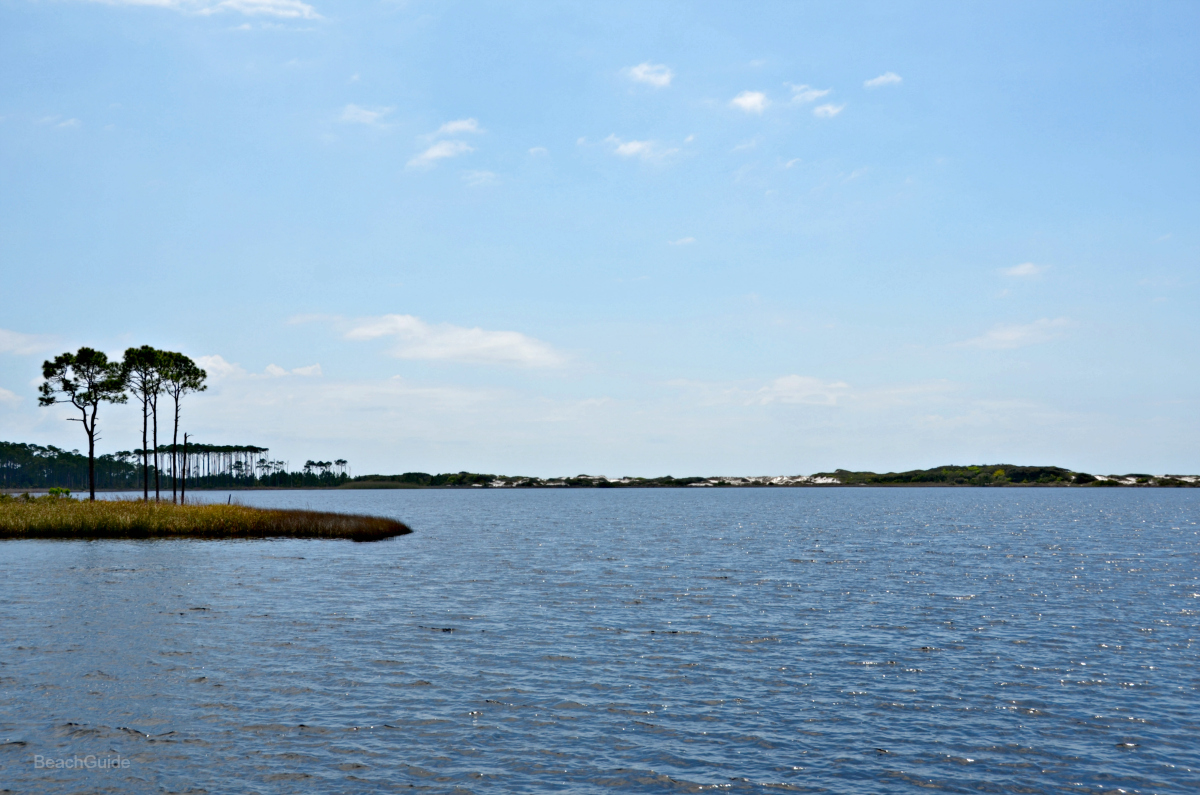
615 238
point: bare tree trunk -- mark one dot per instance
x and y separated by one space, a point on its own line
91 434
154 414
145 454
175 451
183 483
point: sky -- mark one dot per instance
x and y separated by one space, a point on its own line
622 239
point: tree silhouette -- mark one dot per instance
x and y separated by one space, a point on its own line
180 376
83 379
141 368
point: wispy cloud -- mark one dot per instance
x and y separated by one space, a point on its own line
827 111
654 74
59 122
803 390
280 9
645 150
480 178
416 339
799 389
1005 337
539 151
683 241
285 9
803 94
219 369
1024 271
750 101
275 370
885 79
8 397
23 344
356 114
440 151
458 127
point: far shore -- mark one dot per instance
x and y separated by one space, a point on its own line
989 476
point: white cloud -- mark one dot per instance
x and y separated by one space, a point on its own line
799 389
802 94
646 150
683 241
539 151
1024 270
827 111
417 339
355 114
217 368
630 148
23 344
458 127
9 397
657 75
275 370
281 9
885 79
59 122
480 178
1005 337
285 9
750 101
440 151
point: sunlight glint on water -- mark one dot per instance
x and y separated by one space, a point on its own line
637 640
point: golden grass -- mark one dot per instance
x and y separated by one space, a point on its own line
63 517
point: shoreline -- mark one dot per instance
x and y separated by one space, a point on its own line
166 500
952 476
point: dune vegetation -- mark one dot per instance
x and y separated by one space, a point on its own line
59 516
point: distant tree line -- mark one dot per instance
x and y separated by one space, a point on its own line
1001 475
31 466
983 475
86 379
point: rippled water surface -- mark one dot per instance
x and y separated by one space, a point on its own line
841 640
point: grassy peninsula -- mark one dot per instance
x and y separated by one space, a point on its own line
60 517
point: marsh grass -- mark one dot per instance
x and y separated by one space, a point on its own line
65 518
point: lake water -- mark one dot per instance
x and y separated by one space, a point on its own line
840 640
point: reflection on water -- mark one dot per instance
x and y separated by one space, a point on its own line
597 641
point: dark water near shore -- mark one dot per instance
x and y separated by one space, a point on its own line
850 641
